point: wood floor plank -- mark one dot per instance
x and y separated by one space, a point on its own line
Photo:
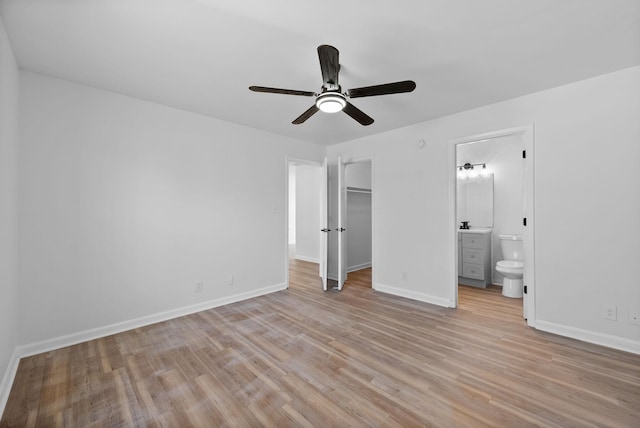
304 357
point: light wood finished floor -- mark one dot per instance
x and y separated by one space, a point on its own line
306 358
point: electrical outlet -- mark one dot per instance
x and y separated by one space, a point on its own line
199 286
634 317
610 312
229 279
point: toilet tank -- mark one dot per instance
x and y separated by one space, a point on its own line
512 248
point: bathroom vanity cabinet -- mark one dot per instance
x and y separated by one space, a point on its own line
474 257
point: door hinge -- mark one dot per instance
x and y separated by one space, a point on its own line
525 289
524 154
524 221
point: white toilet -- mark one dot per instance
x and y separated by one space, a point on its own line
512 268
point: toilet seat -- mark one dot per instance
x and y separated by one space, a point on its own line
510 264
510 267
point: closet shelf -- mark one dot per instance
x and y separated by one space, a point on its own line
358 190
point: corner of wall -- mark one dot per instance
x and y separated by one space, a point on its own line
7 380
8 216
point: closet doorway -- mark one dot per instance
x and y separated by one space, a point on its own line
359 223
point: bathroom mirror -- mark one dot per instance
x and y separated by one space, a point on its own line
475 201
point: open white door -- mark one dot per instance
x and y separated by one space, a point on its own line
528 303
324 224
342 222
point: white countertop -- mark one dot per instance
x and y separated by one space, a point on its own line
476 230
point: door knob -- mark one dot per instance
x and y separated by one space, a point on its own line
325 230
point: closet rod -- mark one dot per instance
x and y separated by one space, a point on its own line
358 190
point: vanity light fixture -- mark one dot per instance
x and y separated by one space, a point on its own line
468 171
468 166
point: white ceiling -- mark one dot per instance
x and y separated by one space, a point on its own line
201 55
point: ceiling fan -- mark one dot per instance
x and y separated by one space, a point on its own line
331 99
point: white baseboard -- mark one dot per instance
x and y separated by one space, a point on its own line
7 379
359 267
607 340
95 333
306 259
414 295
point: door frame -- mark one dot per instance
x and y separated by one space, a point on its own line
342 223
527 134
288 161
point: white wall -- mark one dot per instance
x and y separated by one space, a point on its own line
308 212
503 157
358 174
587 241
124 205
8 207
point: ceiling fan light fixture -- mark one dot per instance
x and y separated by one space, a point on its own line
331 99
331 102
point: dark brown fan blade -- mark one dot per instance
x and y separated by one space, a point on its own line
384 89
282 91
357 114
329 64
306 115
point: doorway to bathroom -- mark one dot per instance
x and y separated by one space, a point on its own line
491 203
